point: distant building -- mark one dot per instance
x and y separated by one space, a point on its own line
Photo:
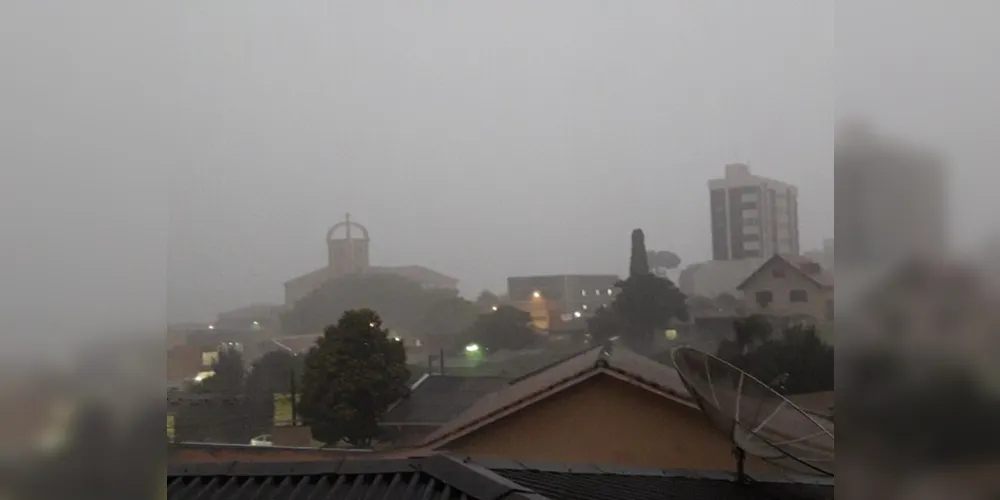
715 277
823 256
350 255
891 199
253 317
790 288
752 216
553 301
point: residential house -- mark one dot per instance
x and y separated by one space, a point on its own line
446 478
605 405
434 400
790 288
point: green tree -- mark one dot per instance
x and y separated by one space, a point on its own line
796 362
604 325
449 316
662 261
646 303
229 374
487 300
506 328
351 377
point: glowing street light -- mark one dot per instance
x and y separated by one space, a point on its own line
577 314
536 294
211 327
472 348
495 308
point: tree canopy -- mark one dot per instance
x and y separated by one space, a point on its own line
506 328
662 259
448 316
402 303
351 377
237 404
795 362
645 304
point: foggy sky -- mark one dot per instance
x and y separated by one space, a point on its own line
177 159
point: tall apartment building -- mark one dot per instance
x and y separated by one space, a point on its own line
752 216
891 199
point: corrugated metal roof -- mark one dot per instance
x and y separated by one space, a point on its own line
447 478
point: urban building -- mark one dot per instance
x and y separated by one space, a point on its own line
792 289
891 199
716 277
556 300
752 216
349 254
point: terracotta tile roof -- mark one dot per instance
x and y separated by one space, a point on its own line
611 360
444 477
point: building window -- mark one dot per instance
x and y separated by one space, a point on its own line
583 292
597 292
610 292
778 273
798 296
751 245
751 221
748 197
764 298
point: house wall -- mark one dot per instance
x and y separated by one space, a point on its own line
606 420
780 287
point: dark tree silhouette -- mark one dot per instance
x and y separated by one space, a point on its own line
229 374
450 316
662 260
797 362
351 377
506 328
401 302
639 262
487 300
645 305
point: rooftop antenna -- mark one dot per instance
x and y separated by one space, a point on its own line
758 420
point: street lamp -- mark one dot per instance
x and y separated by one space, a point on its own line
536 294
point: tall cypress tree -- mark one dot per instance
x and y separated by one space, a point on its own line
639 264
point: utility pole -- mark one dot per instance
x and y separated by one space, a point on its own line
291 386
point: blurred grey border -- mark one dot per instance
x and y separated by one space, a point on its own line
918 342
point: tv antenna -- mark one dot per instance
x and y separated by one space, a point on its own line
759 421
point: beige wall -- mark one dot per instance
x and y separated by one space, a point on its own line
780 288
606 420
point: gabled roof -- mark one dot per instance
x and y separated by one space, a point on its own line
609 360
822 279
437 399
444 477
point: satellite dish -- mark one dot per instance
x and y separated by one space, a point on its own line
759 421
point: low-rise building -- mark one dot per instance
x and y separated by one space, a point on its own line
790 288
605 405
560 300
